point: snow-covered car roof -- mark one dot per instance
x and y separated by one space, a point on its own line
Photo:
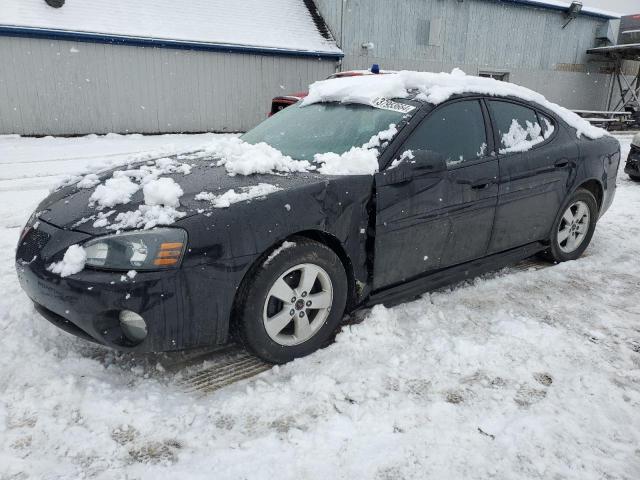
434 88
276 24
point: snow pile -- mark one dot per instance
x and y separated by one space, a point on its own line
163 191
434 88
161 195
88 181
230 196
242 158
72 262
146 216
113 191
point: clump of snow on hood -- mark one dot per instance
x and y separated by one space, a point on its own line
242 158
146 217
88 181
163 191
231 196
161 195
114 191
72 262
435 88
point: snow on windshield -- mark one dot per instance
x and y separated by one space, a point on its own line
242 158
435 88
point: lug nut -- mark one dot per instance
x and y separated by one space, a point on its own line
308 303
293 299
292 312
304 294
301 314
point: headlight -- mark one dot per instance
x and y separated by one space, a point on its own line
156 249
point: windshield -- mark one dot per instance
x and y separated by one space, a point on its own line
302 132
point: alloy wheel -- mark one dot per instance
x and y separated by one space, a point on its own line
573 227
298 304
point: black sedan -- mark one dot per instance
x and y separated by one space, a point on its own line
467 186
632 167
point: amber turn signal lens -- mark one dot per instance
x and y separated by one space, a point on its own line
169 254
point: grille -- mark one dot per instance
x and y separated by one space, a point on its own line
32 244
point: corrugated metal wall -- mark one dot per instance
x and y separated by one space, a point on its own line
475 35
62 88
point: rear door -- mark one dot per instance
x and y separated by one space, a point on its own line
536 157
427 220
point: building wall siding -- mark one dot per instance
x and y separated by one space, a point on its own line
57 87
474 35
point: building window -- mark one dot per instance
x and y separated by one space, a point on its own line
502 76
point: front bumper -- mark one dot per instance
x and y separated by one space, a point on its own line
179 309
632 167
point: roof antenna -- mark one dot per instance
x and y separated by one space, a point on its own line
375 68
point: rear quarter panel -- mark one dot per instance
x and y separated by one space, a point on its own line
600 159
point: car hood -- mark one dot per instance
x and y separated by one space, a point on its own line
70 207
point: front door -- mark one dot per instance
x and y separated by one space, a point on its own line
427 220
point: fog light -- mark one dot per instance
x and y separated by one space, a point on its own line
133 326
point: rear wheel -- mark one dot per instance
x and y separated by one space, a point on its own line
573 228
293 302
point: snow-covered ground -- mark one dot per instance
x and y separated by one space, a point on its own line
518 374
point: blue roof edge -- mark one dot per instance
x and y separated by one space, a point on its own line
548 6
88 37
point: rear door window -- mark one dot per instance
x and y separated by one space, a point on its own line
517 126
456 131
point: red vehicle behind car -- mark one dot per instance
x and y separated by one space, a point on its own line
283 101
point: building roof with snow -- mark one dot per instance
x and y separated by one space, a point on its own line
259 26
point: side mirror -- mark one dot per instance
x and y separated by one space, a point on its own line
420 162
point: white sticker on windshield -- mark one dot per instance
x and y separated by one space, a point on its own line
387 104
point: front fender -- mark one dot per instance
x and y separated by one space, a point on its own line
225 242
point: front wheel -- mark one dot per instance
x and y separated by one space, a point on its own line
574 227
292 303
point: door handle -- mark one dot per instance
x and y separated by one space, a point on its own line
561 163
481 184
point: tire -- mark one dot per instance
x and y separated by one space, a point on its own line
635 178
573 227
261 313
